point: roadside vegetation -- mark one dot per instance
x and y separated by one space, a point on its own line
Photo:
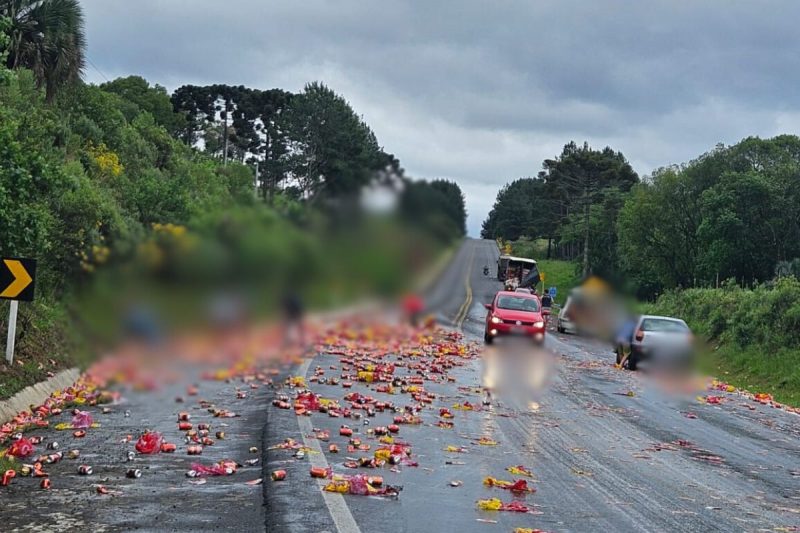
754 334
124 192
715 241
559 274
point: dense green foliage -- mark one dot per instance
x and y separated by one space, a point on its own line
732 213
5 42
573 203
122 191
754 334
80 186
313 142
84 180
311 146
437 207
520 209
334 153
140 96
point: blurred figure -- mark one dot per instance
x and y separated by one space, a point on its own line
226 310
517 372
593 309
294 333
142 324
413 306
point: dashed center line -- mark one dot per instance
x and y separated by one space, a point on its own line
465 307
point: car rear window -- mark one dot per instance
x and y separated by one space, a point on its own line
518 303
666 326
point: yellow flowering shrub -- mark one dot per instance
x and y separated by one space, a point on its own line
106 160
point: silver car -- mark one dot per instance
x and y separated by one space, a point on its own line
662 338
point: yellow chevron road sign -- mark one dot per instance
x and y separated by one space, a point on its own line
17 278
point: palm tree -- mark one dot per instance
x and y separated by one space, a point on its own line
46 37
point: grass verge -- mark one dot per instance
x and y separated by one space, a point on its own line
41 348
756 333
559 274
747 368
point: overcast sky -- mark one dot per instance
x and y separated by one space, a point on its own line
482 92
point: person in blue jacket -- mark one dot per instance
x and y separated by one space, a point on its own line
625 338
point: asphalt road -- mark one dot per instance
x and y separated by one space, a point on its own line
163 498
609 451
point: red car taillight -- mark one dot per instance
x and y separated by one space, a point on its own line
639 335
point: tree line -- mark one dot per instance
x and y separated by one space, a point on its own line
732 213
84 166
93 175
312 143
569 203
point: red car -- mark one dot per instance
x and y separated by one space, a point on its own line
514 313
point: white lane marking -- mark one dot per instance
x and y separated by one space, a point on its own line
337 506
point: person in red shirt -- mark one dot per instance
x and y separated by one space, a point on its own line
413 306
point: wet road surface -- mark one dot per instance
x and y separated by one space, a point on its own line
608 451
163 498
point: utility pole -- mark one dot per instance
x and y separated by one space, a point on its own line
586 227
256 183
586 242
225 135
267 189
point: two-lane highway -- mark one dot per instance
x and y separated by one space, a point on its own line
608 450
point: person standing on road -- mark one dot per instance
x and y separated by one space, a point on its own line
624 339
547 301
413 306
294 329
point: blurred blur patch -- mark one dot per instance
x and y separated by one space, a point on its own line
233 266
517 369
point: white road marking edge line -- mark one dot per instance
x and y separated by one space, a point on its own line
336 503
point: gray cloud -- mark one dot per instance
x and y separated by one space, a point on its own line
482 92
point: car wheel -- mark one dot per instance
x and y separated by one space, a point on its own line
488 339
560 329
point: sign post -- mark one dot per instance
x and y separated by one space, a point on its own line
12 331
16 283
